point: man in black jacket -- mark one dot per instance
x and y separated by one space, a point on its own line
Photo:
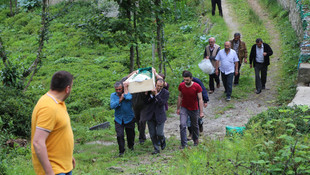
154 113
259 56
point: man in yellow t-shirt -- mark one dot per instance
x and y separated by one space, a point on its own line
52 140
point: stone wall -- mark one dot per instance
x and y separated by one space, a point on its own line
294 15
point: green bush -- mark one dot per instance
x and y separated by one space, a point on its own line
278 121
15 111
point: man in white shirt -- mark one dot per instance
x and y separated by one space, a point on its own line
229 67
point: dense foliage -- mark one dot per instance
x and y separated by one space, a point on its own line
87 44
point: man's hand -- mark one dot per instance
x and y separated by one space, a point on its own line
207 57
205 105
216 72
236 73
245 60
126 84
201 115
265 53
178 111
73 162
121 98
154 92
250 65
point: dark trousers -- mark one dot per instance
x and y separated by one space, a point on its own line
219 5
141 125
260 80
236 80
227 82
130 133
212 78
156 131
194 115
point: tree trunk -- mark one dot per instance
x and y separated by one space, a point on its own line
11 7
16 7
3 54
136 35
158 31
130 31
163 50
34 65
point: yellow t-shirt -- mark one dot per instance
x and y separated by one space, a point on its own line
51 115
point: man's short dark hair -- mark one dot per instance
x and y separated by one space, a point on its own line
259 40
118 84
187 74
162 75
61 80
237 34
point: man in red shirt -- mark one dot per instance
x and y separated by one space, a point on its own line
190 94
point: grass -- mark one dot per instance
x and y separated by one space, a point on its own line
96 67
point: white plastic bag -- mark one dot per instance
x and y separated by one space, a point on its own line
206 66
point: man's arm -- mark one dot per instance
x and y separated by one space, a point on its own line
245 53
200 104
217 67
179 102
269 51
236 68
252 55
39 145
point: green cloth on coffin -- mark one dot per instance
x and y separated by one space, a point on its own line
232 130
145 72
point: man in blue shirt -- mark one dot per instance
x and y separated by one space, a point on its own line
124 117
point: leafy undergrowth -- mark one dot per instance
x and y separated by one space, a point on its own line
97 66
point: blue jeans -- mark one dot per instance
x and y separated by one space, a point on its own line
227 82
69 173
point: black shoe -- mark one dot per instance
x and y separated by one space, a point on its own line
163 145
155 152
258 91
263 87
120 154
183 147
236 84
200 128
196 143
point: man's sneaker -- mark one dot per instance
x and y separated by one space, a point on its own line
155 152
228 98
183 146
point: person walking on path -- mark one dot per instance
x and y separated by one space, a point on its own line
259 56
52 141
240 48
124 117
205 99
219 5
229 67
210 53
189 97
155 114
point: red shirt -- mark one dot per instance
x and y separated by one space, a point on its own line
190 100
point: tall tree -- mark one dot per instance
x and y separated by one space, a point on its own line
11 7
158 14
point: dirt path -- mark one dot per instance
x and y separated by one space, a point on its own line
220 113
